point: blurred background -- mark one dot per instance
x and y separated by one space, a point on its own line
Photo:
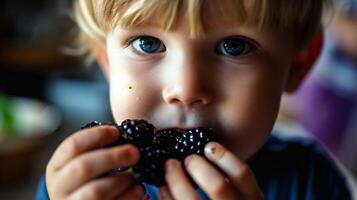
45 95
325 106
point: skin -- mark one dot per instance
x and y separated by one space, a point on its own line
186 85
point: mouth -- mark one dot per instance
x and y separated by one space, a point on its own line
174 134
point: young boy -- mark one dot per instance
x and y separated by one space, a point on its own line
190 63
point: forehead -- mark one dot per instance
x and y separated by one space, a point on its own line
222 13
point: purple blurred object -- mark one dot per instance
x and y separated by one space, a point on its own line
328 98
325 113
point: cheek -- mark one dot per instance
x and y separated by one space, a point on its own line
250 111
131 97
133 93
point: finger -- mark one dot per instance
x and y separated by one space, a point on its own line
164 193
135 192
96 163
80 142
104 188
238 172
179 185
209 178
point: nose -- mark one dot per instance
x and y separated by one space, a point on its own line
188 84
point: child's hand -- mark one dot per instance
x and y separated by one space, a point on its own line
236 181
75 169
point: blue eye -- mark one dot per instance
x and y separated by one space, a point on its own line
148 44
234 46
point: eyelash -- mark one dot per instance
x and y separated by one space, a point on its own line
130 40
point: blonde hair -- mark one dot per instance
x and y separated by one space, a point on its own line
300 18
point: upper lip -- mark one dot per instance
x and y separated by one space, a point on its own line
184 120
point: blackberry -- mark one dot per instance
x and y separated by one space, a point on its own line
96 123
167 139
155 149
91 124
193 142
150 168
138 132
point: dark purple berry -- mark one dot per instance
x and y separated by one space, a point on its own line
91 124
138 132
150 168
156 149
96 123
193 142
167 139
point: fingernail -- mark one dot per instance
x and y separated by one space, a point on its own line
188 160
211 148
170 165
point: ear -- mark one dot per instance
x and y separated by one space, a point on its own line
303 62
100 53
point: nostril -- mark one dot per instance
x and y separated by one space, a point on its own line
189 102
174 101
186 95
187 98
205 101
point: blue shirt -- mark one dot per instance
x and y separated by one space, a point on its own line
286 169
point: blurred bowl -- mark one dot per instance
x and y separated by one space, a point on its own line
35 121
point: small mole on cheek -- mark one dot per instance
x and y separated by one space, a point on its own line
130 87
